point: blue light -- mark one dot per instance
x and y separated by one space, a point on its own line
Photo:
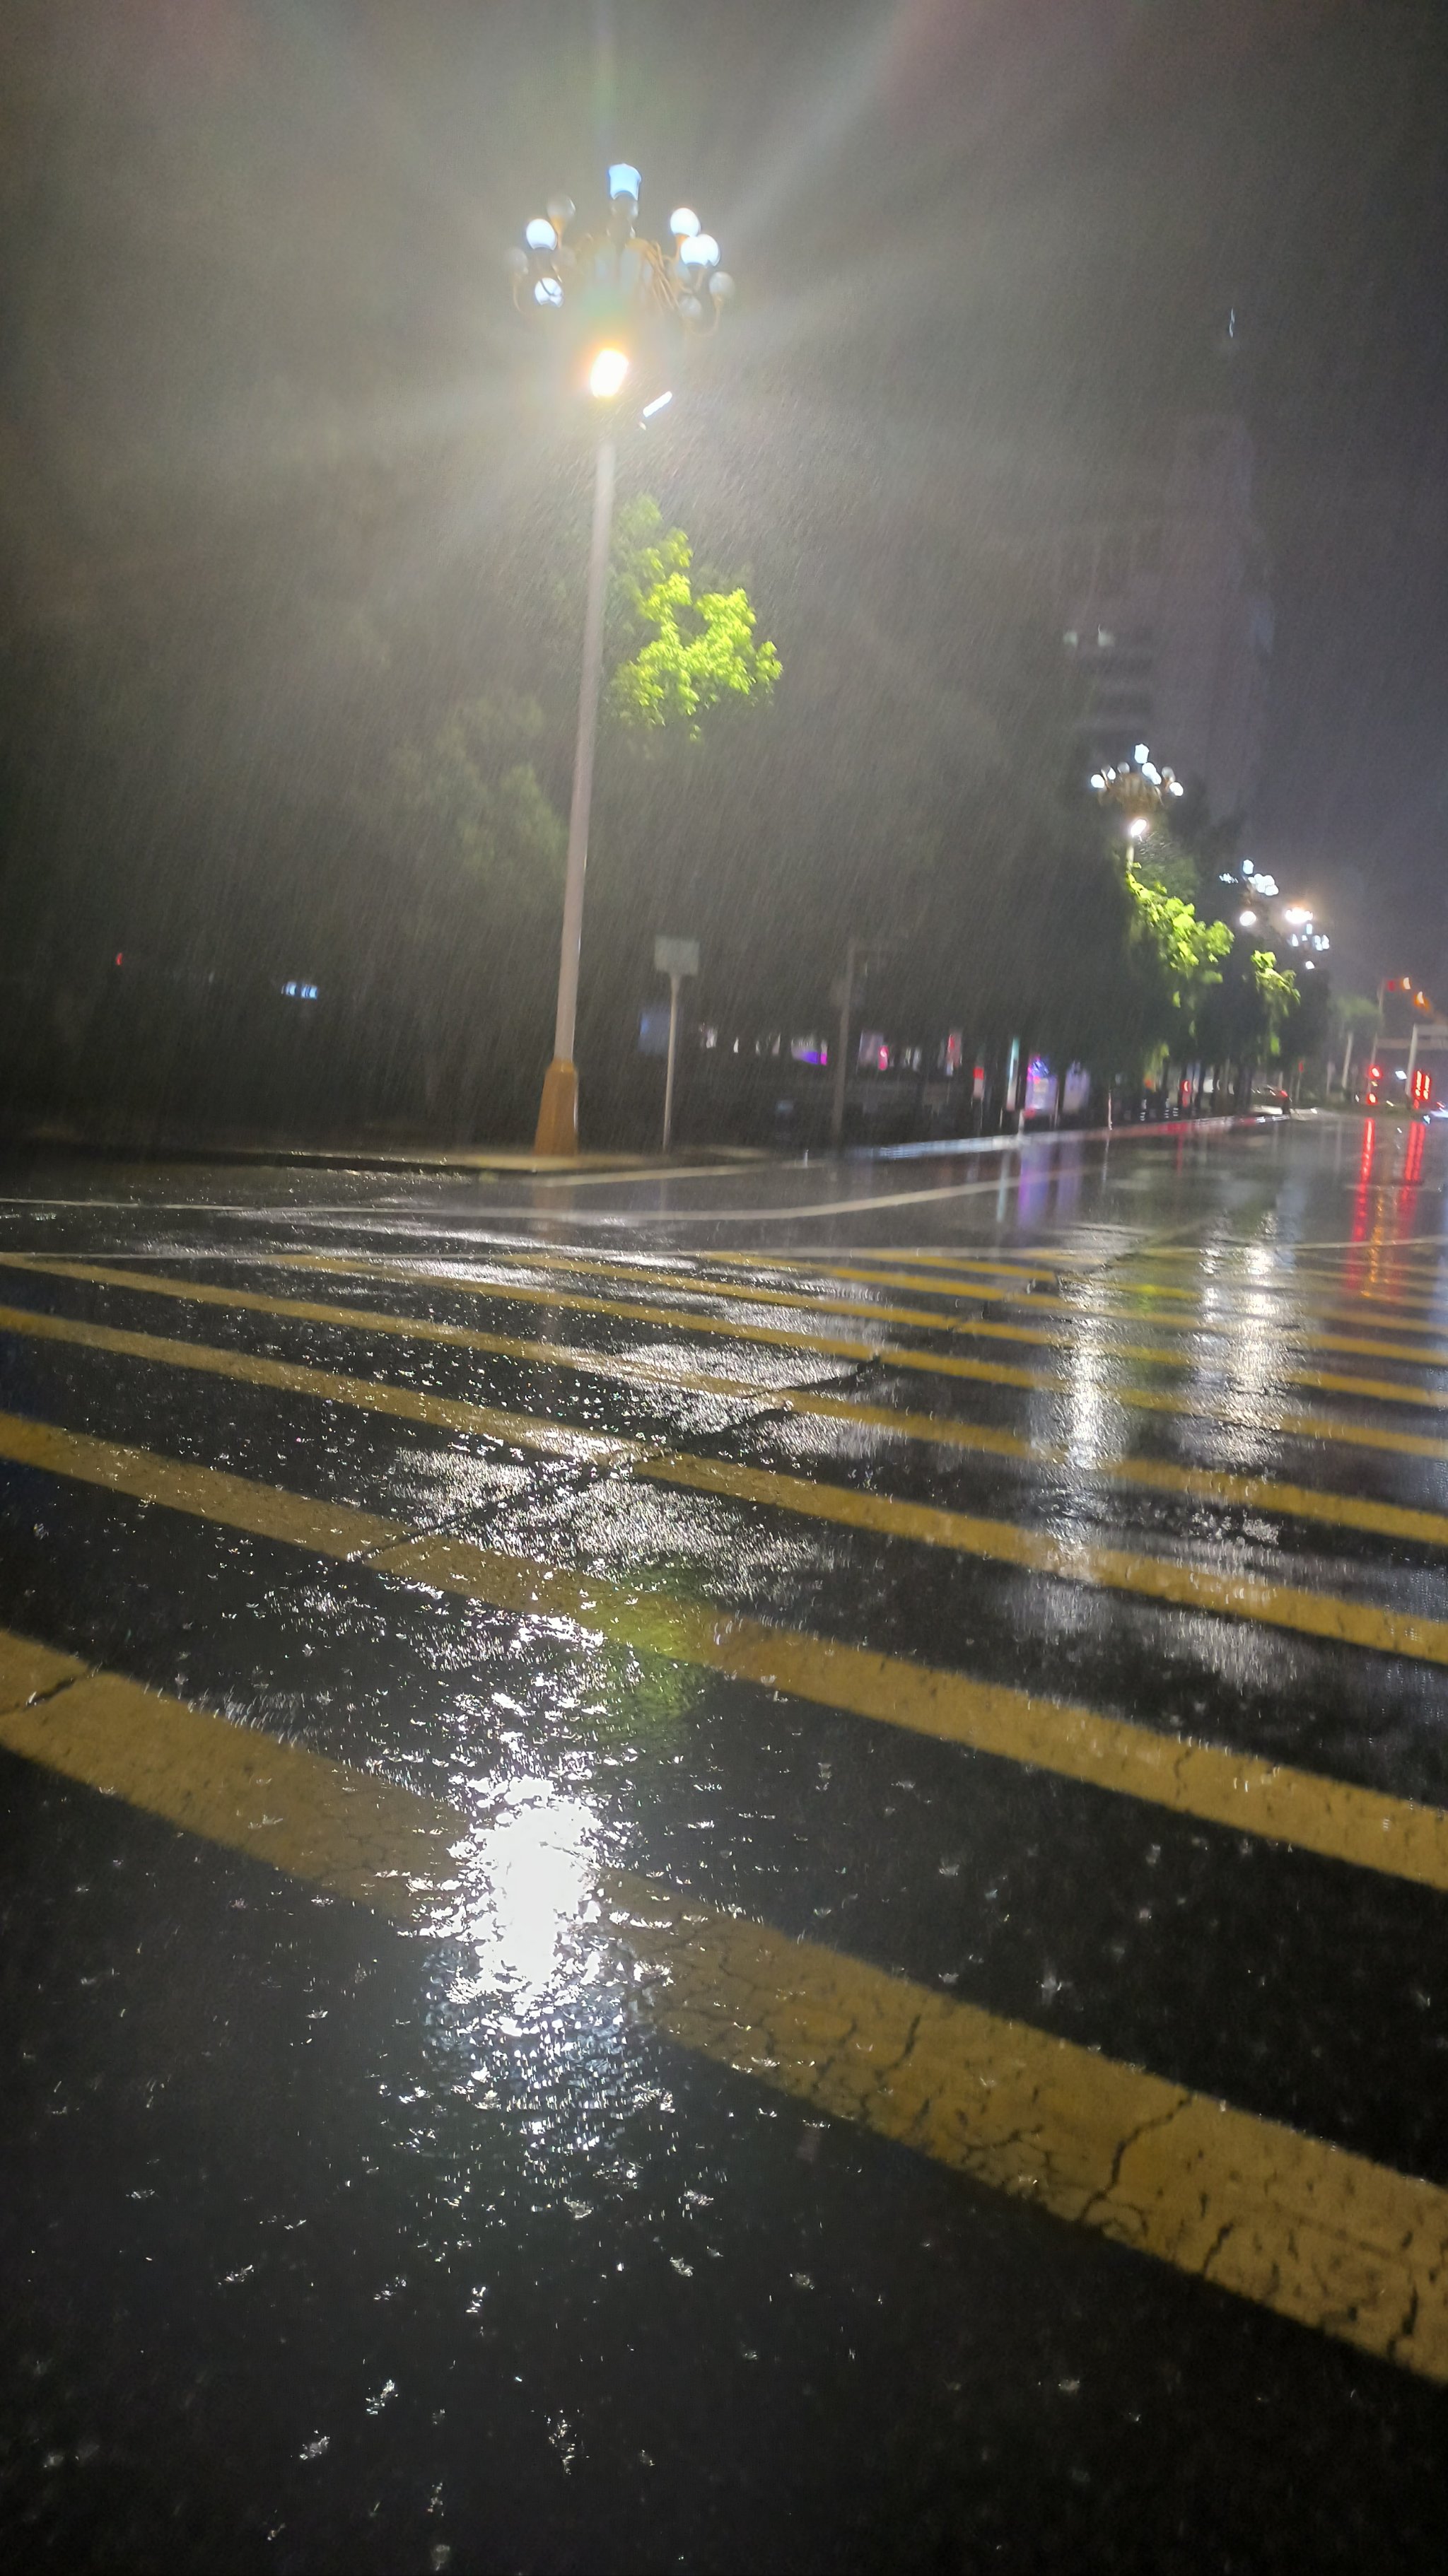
624 181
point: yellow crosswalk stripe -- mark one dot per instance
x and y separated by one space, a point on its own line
888 1354
561 1439
350 1830
515 1292
942 1429
958 1283
1183 1585
1311 2231
288 1377
1337 1819
1306 2229
653 1275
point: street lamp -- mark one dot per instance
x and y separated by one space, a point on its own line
620 285
1138 789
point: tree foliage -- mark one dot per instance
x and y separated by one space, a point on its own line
472 823
1187 950
473 855
692 653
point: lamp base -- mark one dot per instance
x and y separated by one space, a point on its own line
558 1110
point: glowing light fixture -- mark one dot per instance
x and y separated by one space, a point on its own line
548 291
700 250
1138 827
1246 921
683 223
624 181
540 235
607 373
657 404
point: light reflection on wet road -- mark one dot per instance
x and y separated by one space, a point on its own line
775 1897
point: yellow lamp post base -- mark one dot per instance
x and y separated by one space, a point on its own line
558 1110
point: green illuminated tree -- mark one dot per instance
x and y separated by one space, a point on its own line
1187 950
687 653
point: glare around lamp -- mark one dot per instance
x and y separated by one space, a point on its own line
606 375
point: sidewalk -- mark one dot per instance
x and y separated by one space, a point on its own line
485 1161
514 1162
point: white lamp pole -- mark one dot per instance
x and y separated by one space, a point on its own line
642 282
558 1113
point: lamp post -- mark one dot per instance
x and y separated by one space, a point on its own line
620 285
1138 790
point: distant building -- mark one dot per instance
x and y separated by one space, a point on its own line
1168 612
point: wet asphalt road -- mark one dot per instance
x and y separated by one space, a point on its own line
734 1872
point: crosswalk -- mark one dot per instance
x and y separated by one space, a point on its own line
1036 1566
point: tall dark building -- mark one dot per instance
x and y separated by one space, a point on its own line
1167 609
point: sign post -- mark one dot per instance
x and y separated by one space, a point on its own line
675 958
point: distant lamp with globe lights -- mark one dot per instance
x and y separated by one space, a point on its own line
623 290
1138 790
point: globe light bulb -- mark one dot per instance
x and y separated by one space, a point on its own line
607 373
624 181
548 292
540 235
683 222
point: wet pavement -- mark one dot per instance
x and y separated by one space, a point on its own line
715 1871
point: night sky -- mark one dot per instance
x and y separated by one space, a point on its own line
985 251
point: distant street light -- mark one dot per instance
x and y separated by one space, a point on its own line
1138 789
620 286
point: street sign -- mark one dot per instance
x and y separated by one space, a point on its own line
676 956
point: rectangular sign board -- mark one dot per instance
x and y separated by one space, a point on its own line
676 956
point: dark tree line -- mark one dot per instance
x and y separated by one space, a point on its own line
283 761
